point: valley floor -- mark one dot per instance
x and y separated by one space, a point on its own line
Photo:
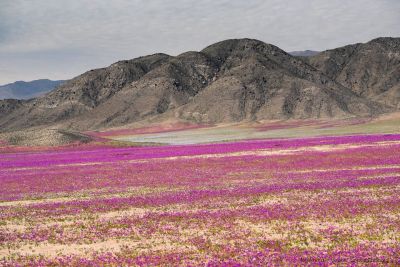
302 201
180 134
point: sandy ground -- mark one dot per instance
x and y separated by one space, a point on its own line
232 132
389 123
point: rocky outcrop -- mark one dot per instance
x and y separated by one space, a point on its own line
371 70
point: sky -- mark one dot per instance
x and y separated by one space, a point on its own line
59 39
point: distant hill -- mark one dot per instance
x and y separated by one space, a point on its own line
27 90
230 81
305 53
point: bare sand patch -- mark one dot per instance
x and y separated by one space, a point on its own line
85 195
144 245
355 168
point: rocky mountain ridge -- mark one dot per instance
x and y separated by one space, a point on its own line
230 81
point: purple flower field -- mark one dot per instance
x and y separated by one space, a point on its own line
318 201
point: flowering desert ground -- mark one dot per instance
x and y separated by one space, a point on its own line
199 133
290 193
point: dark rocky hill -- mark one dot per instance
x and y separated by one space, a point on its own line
231 81
371 70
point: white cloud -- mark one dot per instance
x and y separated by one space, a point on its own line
103 31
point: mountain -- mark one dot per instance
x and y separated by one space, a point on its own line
305 53
370 70
27 90
230 81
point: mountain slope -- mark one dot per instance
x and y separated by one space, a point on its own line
80 95
230 81
260 81
371 70
27 90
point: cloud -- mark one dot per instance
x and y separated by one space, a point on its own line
93 33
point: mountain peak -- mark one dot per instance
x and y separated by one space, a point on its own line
230 81
240 44
389 42
385 40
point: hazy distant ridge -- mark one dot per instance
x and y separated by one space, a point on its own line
305 53
27 90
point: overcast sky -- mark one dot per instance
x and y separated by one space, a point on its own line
59 39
